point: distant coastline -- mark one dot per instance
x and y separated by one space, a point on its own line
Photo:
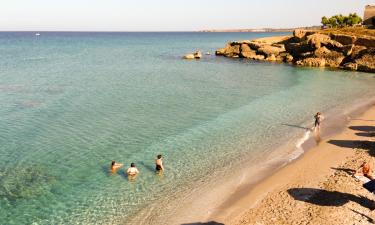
262 29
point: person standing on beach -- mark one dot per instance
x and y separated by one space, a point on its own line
159 164
318 118
132 171
115 166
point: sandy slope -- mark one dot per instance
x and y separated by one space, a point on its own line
319 187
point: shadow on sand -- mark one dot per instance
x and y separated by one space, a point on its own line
207 223
366 145
346 170
366 134
327 198
363 128
369 219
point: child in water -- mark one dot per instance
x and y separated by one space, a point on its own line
159 164
115 166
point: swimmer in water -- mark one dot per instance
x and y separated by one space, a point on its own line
115 166
159 164
132 171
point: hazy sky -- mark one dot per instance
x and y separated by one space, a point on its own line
168 15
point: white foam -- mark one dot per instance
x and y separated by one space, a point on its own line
299 150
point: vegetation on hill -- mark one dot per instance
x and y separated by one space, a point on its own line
341 21
355 31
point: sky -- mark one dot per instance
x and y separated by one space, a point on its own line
168 15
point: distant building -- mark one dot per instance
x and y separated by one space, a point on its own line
369 16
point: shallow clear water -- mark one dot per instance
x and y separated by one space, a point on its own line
72 102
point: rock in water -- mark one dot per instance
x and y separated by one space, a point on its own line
189 56
198 54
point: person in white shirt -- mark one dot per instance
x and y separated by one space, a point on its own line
132 171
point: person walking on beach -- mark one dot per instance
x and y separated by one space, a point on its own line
115 166
132 171
318 118
366 170
159 164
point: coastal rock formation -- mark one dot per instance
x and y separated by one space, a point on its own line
309 48
195 55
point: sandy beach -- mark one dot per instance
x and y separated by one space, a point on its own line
317 188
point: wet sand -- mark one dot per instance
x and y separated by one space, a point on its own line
317 188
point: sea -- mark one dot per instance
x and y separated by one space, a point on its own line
71 102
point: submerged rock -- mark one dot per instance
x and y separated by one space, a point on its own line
24 183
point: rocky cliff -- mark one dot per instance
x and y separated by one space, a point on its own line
309 48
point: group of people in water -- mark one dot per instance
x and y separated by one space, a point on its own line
132 171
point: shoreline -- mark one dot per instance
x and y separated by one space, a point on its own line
310 169
226 202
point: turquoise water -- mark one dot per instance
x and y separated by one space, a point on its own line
72 102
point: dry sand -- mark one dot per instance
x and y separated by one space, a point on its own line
318 188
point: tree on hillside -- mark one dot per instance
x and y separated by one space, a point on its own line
354 19
341 21
325 21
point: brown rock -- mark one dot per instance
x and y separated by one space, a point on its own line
230 50
320 52
314 62
318 40
357 51
255 45
272 57
220 51
189 56
257 57
296 49
350 66
198 54
333 59
268 50
366 61
248 55
366 41
344 39
347 49
289 58
299 34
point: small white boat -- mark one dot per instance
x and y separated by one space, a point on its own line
37 34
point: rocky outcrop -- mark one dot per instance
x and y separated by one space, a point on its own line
195 55
309 48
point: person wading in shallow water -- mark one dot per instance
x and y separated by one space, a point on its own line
132 171
159 164
318 119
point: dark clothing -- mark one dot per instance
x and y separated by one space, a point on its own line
317 120
370 186
158 168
